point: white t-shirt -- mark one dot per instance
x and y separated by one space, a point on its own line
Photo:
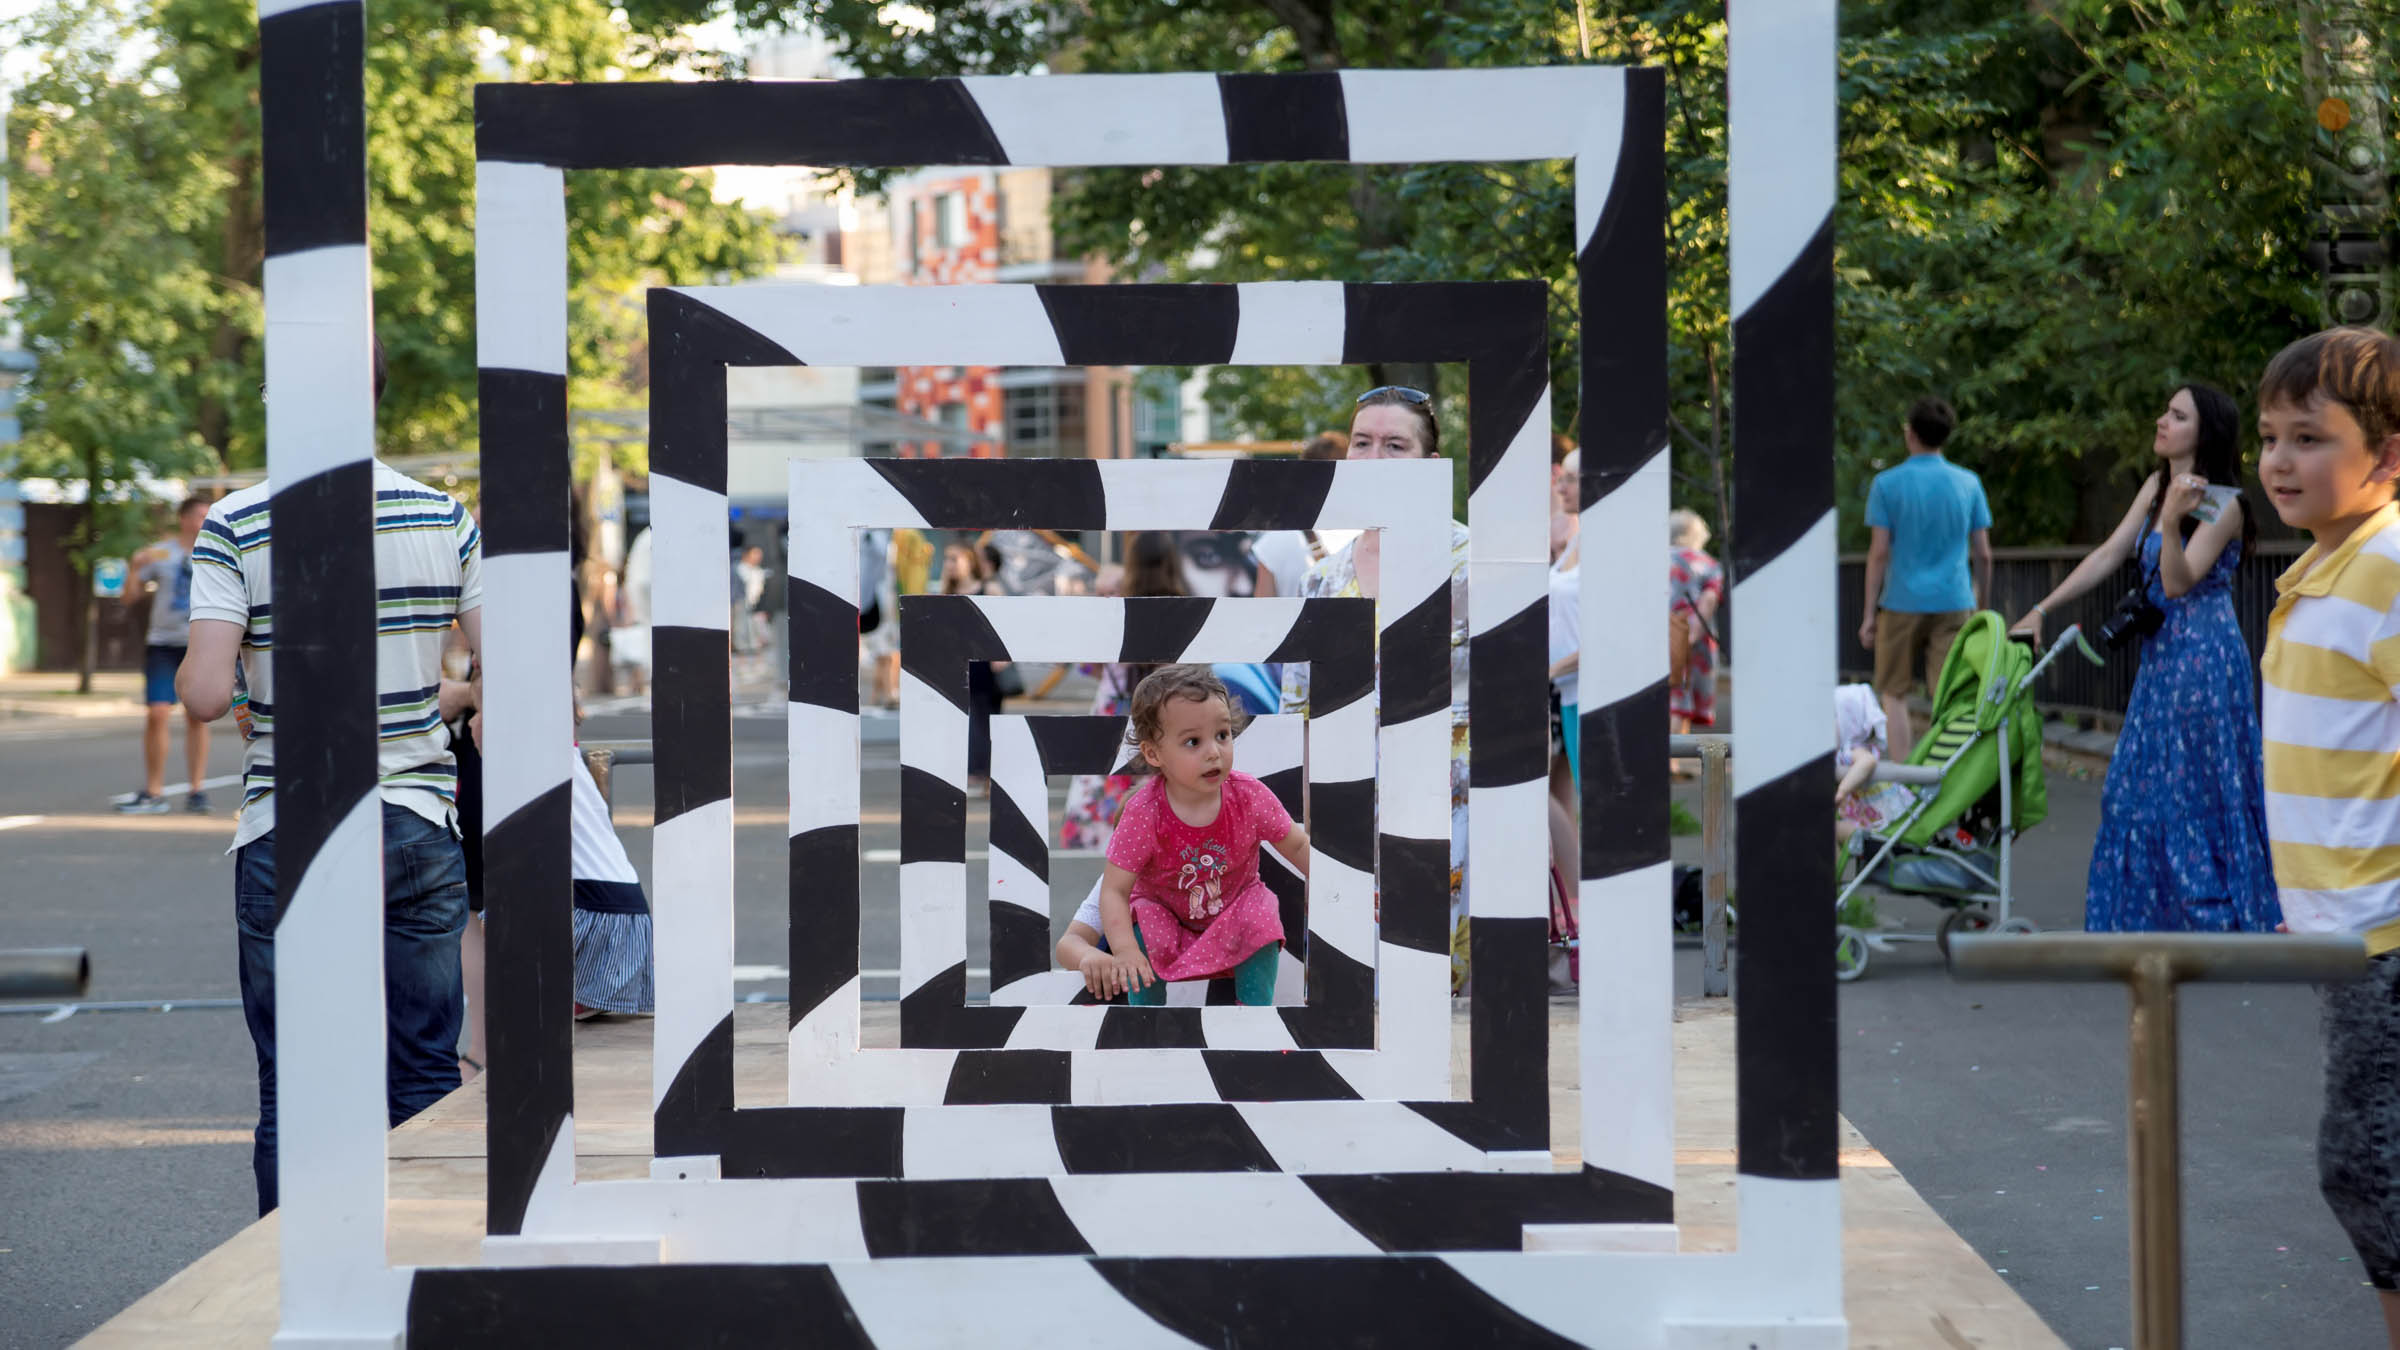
1857 720
171 602
1285 553
636 588
1566 628
428 571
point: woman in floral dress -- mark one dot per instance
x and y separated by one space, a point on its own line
1696 586
1153 566
1394 422
2182 844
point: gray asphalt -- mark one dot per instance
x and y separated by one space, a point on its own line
123 1137
2005 1106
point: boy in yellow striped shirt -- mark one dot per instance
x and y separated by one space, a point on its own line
2329 433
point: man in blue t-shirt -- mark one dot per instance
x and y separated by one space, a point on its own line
1929 566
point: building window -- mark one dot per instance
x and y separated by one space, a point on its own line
1157 412
950 220
1033 421
1045 420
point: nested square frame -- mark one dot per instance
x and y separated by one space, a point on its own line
1164 1055
1335 635
852 1108
1028 750
1496 329
1324 1049
1609 122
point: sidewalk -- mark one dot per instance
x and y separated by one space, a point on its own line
51 693
1910 1282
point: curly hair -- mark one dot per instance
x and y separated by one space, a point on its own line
1166 684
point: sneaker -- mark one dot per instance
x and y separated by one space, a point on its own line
196 803
143 804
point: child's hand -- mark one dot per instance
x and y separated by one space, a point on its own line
1133 968
1100 976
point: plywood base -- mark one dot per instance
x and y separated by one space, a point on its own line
1912 1282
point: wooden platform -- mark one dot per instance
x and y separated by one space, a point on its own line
1912 1282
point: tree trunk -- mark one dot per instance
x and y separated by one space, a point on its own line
89 656
1720 485
241 255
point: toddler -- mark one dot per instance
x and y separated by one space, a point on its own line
1181 898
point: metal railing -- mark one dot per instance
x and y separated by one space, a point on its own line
2151 965
2022 576
1716 852
44 972
1715 754
603 757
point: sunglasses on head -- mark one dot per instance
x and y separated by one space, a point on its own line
1407 395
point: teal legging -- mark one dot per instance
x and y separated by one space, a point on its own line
1570 723
1253 979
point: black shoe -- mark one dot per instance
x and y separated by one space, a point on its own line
143 804
196 803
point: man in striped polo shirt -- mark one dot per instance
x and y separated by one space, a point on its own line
429 575
2329 432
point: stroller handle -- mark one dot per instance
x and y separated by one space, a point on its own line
2070 636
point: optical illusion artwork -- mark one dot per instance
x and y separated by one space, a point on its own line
1027 750
1198 1174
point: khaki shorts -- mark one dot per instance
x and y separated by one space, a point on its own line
1899 636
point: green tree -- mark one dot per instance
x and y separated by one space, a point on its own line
2051 212
107 192
2055 214
626 230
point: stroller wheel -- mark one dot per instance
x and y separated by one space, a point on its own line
2018 923
1972 919
1849 953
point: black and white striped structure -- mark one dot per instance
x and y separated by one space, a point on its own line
1029 750
1335 636
328 806
1781 152
1312 1252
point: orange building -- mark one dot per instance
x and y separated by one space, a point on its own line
978 226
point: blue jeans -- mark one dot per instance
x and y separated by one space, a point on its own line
424 910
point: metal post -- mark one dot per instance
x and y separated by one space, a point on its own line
1716 852
1716 862
2153 1156
602 758
44 972
2008 817
2151 966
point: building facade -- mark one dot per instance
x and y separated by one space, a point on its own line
946 227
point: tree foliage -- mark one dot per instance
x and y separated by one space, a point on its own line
109 189
2053 213
193 257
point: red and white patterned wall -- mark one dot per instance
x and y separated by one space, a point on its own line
950 236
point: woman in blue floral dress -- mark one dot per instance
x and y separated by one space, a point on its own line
2183 829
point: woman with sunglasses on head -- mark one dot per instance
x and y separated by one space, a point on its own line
1396 422
2182 843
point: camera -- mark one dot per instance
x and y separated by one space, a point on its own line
2134 617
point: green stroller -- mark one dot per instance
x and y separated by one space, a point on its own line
1952 812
